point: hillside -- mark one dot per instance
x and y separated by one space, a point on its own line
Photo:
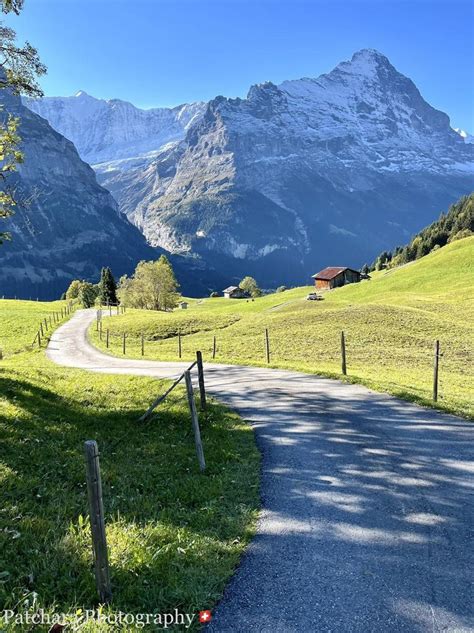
457 223
391 323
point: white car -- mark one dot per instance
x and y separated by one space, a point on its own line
313 296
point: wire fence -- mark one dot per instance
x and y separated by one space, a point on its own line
93 474
430 367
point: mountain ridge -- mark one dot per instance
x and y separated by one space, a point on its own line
294 176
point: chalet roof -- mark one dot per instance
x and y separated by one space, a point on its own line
231 289
332 271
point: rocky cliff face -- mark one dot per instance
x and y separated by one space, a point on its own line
313 172
66 225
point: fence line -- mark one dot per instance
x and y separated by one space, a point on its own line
350 352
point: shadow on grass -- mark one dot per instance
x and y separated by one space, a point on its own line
174 533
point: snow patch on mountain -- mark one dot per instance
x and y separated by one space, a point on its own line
111 130
467 138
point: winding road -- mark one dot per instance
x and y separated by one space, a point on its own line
366 521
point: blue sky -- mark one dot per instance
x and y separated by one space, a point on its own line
165 52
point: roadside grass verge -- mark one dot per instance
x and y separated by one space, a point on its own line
175 535
390 323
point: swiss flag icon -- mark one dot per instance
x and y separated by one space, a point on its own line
205 616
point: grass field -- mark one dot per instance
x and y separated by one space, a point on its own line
175 535
390 323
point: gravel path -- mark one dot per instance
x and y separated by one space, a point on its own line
367 502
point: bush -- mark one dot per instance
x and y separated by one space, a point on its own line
461 235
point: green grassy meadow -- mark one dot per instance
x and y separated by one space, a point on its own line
175 535
390 324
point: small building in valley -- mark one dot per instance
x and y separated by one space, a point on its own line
234 292
335 276
183 305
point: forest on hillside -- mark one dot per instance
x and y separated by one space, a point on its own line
457 223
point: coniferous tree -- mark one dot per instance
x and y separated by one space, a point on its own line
457 223
107 288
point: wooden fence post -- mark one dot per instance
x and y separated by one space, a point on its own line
179 345
46 324
41 328
96 514
143 345
267 345
202 388
195 421
436 372
123 343
214 348
39 339
107 338
100 331
343 354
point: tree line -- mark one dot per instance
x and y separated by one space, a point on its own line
456 224
153 286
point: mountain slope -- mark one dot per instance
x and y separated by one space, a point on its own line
314 172
71 226
457 223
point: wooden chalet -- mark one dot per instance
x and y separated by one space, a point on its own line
234 292
335 276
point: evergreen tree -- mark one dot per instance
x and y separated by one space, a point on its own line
107 288
457 223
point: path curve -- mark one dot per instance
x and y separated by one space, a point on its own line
367 501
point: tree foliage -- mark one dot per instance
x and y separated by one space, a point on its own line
458 222
73 291
10 158
19 68
153 286
249 285
107 288
88 293
84 291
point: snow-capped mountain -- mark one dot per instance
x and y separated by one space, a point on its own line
113 130
467 138
309 173
65 225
